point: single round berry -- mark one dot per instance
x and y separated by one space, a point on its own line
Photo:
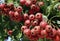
22 2
33 32
34 23
40 3
34 1
38 16
37 29
43 34
27 32
27 23
43 24
23 28
33 6
10 32
25 16
58 32
57 38
48 28
28 3
31 17
19 9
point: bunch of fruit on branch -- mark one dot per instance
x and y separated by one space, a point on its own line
35 27
33 24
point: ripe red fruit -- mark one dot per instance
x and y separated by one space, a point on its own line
57 38
31 17
34 23
34 1
10 32
25 16
33 32
38 16
22 2
48 28
23 28
27 32
19 9
11 13
27 23
33 6
17 17
37 29
2 6
40 3
43 34
28 3
34 38
43 24
58 32
52 34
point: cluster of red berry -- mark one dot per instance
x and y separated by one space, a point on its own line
11 11
15 13
35 27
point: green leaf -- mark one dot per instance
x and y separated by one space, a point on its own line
19 35
40 39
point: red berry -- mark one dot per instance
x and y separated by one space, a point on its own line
27 32
52 34
38 16
31 17
16 17
22 2
40 3
25 16
33 6
34 1
27 23
11 13
28 3
58 32
57 38
34 23
43 34
33 32
48 28
2 6
23 28
43 24
19 9
37 29
10 32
